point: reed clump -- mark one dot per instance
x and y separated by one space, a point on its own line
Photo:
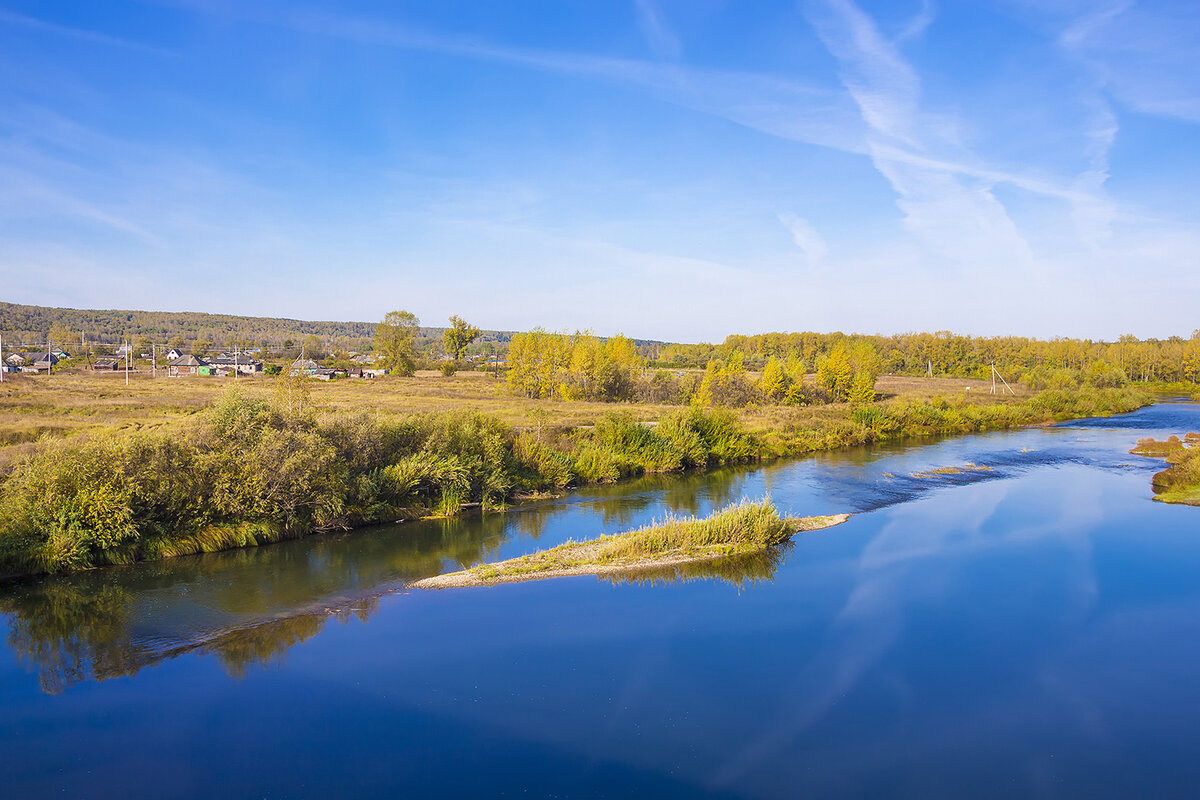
748 526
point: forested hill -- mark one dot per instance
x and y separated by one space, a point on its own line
29 325
32 323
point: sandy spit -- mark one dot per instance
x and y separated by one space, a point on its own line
469 577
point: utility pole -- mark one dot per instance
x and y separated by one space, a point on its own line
236 352
995 374
154 359
128 353
3 363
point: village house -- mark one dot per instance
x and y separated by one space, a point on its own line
37 362
244 364
186 365
108 364
305 366
174 353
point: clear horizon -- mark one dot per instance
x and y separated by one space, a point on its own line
668 170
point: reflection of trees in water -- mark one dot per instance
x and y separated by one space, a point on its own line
686 495
532 521
244 606
67 636
270 641
740 571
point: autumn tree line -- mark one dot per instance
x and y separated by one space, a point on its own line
811 368
583 366
950 355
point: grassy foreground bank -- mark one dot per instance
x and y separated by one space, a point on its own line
1179 482
739 530
249 471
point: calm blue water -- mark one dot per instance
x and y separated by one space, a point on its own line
1031 630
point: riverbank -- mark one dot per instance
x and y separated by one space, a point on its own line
249 471
1180 482
739 530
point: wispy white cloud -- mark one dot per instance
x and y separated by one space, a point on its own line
882 83
951 209
658 33
1143 54
806 237
916 25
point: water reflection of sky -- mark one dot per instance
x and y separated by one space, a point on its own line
1023 631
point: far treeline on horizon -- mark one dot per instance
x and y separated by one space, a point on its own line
401 340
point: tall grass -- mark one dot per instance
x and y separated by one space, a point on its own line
748 525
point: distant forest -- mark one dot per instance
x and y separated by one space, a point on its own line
1054 363
27 327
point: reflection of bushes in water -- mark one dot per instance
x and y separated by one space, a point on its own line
68 636
740 571
683 495
74 628
531 521
70 633
270 641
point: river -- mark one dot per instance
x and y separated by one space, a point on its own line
1029 629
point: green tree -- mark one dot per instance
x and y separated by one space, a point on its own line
394 339
313 348
834 373
536 361
458 337
60 336
774 381
794 368
711 381
862 388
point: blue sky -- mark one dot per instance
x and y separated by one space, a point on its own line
673 170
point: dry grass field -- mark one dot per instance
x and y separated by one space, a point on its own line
32 406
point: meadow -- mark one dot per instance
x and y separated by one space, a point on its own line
71 402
